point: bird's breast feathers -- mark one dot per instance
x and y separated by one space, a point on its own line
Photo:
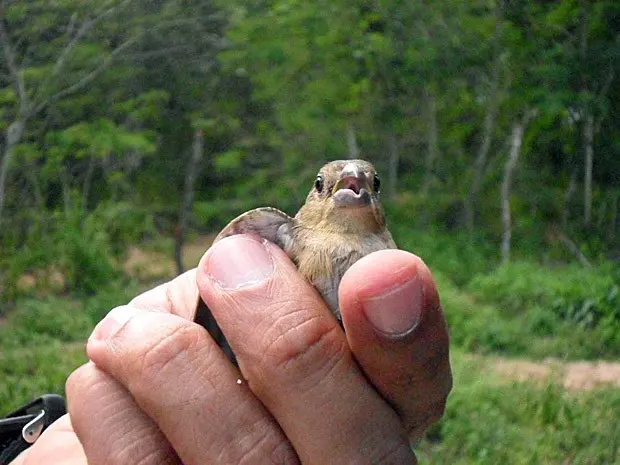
325 257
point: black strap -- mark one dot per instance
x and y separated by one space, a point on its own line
21 428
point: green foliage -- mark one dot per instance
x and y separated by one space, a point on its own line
490 421
79 247
580 296
43 340
124 223
454 255
34 370
229 162
504 318
101 138
115 293
146 108
212 216
482 328
39 321
85 256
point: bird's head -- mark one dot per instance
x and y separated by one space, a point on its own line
344 198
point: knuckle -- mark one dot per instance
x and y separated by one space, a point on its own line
299 346
256 445
77 380
164 355
86 382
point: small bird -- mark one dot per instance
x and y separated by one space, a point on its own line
341 221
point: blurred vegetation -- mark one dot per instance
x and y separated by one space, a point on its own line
101 104
549 425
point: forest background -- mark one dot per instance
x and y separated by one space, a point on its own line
132 130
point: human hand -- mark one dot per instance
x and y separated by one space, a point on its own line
162 392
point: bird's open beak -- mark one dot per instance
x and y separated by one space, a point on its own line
353 188
352 178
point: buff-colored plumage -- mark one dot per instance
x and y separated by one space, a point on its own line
341 221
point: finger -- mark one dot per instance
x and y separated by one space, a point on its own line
182 380
179 296
396 329
110 425
295 356
58 445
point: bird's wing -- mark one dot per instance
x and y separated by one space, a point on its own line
267 222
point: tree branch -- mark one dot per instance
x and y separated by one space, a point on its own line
110 58
94 74
86 27
14 71
157 53
572 247
71 25
202 19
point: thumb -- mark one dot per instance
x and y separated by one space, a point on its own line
397 331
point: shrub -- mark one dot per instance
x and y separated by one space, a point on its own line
123 223
481 325
584 297
82 255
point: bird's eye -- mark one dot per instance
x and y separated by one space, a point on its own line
318 184
376 184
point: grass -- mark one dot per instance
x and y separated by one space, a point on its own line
489 420
42 341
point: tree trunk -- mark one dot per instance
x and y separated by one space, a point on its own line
88 179
354 150
568 195
602 213
572 248
432 141
66 191
511 164
392 184
588 135
36 189
614 217
14 135
188 197
489 123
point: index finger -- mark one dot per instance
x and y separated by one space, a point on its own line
179 296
